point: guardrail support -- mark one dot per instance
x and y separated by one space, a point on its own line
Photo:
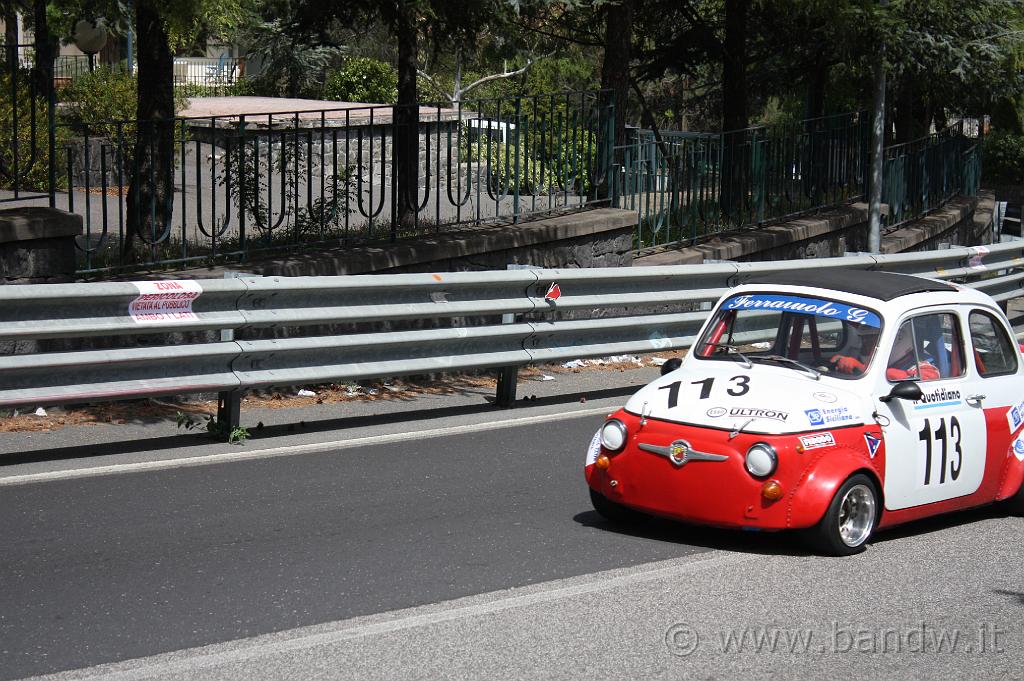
229 407
508 377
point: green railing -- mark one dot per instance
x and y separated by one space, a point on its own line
922 175
690 185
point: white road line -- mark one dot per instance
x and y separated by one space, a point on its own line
195 661
230 457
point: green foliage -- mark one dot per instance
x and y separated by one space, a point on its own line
215 429
292 64
777 115
33 142
363 80
1004 158
287 163
243 87
532 166
103 104
102 95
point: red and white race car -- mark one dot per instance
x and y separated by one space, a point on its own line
833 403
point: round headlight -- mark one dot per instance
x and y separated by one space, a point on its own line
761 460
613 435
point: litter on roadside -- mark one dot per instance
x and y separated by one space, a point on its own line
40 412
306 393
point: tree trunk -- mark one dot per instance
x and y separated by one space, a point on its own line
734 109
406 122
816 88
618 42
151 191
45 49
10 16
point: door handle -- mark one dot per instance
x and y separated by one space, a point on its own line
975 400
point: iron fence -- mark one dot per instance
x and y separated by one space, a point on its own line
26 106
921 175
198 76
685 186
228 187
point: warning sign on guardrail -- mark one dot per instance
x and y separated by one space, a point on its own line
164 301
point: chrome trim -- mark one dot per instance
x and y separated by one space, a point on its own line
680 453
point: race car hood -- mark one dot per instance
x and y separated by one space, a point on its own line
767 399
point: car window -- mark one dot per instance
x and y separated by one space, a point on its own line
994 353
926 348
828 335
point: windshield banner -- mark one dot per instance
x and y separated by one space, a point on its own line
815 306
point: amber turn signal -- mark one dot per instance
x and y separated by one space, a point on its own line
603 462
771 490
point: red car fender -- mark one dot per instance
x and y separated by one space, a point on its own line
1013 473
822 478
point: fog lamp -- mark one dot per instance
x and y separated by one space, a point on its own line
771 490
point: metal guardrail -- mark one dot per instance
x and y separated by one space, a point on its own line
599 312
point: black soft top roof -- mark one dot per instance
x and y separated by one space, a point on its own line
880 285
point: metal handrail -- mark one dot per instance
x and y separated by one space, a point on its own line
600 311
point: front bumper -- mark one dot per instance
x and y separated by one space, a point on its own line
709 486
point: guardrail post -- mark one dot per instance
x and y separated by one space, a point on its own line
508 377
229 402
229 407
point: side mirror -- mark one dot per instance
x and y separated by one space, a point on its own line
904 390
671 365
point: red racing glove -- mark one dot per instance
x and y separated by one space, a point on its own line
847 365
928 373
894 374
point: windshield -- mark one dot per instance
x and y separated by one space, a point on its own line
826 336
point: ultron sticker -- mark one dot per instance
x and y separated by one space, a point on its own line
759 413
817 441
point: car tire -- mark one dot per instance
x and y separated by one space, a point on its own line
616 513
850 520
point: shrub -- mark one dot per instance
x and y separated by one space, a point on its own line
103 103
558 165
1004 158
363 80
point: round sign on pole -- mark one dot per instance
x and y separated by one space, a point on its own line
89 37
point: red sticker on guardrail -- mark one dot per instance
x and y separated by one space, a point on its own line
164 301
554 293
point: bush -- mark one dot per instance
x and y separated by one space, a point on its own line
1003 162
363 80
102 95
104 104
559 165
33 168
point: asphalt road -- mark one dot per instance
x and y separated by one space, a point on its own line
402 555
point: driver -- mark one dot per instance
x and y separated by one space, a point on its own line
865 339
903 362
